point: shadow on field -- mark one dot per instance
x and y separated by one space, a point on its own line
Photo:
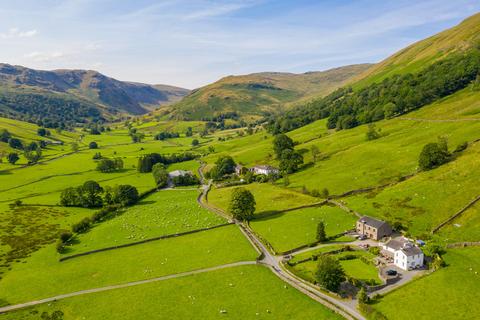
267 215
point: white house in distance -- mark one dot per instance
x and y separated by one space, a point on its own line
263 169
178 173
405 254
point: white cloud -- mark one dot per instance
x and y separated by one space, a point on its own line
216 10
16 33
44 56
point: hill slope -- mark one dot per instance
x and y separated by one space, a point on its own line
418 75
260 93
423 53
91 94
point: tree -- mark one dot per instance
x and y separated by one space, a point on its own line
33 156
5 135
432 156
362 296
42 132
97 156
189 132
315 153
160 175
91 194
125 195
290 161
282 142
225 165
330 273
325 193
186 180
321 235
195 142
74 146
93 145
242 204
12 157
137 137
372 133
15 143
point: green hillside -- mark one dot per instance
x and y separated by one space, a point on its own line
421 74
258 94
70 97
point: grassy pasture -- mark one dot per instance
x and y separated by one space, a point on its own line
269 198
464 228
164 212
247 292
44 276
354 268
292 229
429 198
449 293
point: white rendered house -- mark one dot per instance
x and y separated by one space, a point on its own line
405 254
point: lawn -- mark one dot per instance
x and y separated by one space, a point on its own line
289 230
450 293
247 292
43 275
164 212
354 268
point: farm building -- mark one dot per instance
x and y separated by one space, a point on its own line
373 228
263 169
178 173
405 254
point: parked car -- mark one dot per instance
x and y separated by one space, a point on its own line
391 272
362 237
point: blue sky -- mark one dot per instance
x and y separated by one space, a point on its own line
191 43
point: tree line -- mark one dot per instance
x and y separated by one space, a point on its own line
395 95
146 162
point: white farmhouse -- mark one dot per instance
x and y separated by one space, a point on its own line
405 254
266 170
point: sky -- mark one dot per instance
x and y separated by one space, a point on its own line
191 43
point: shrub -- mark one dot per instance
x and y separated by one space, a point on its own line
93 145
60 246
65 236
83 226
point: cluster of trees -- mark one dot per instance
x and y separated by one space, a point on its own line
393 96
48 110
136 136
92 195
146 162
242 204
290 160
31 151
166 135
223 166
107 165
188 179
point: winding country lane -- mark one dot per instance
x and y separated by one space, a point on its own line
345 308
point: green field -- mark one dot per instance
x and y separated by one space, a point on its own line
43 275
269 198
164 212
248 292
450 293
354 268
289 230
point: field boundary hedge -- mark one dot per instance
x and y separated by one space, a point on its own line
167 236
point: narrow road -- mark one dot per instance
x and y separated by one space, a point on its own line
123 285
345 308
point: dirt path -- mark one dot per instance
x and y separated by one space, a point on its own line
123 285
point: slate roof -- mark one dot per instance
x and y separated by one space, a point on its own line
396 244
369 221
411 251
